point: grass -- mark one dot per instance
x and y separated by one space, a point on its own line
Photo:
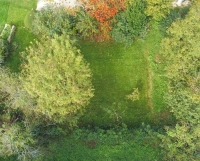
102 145
14 12
157 65
116 71
75 150
4 11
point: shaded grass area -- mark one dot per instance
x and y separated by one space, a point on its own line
157 64
14 13
4 7
116 71
75 150
102 145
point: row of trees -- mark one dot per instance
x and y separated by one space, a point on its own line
181 49
121 20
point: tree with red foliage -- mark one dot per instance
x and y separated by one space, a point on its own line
104 11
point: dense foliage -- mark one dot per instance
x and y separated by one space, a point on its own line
175 13
130 23
50 21
86 26
104 11
157 9
58 77
181 49
16 137
55 85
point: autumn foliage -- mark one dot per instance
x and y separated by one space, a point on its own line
104 11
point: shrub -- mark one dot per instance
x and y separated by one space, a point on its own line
16 141
86 26
130 23
50 21
134 96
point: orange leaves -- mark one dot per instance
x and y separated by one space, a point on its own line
104 11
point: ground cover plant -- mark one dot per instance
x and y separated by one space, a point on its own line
129 83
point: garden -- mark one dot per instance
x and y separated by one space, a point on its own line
100 80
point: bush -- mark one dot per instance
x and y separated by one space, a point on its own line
15 141
134 96
50 21
130 23
86 26
176 13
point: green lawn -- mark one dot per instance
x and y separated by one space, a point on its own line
14 12
116 71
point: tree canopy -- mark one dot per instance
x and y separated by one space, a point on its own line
58 77
181 49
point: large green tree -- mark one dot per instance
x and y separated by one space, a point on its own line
182 52
58 77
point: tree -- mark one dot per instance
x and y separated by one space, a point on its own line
104 11
86 25
181 49
157 9
129 23
58 77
